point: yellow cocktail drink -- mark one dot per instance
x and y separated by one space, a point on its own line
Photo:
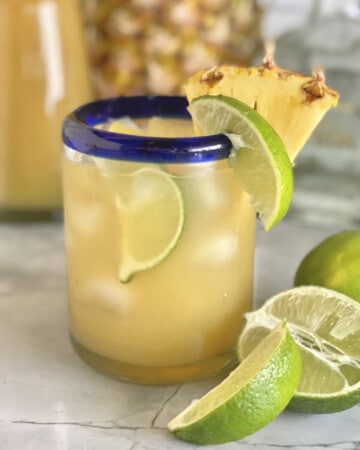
159 259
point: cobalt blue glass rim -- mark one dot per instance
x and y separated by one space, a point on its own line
79 132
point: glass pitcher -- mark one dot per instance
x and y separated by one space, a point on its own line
43 75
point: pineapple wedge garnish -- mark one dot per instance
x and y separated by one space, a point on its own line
291 102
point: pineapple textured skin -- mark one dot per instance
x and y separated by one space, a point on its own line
152 46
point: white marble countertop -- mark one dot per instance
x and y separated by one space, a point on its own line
50 400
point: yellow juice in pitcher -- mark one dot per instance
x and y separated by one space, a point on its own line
40 43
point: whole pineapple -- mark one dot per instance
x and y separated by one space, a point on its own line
152 46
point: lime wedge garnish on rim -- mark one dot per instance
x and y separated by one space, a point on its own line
152 218
249 398
260 160
326 326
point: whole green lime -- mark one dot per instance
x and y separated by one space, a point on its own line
334 264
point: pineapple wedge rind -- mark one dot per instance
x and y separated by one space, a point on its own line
292 103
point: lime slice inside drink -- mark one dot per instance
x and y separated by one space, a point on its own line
152 218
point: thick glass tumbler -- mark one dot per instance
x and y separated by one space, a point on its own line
159 242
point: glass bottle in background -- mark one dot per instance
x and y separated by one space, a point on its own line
43 75
327 172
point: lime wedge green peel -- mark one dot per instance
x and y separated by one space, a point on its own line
259 157
249 398
326 326
152 217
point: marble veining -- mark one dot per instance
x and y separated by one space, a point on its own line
51 400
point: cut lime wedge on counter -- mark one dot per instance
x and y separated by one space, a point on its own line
326 326
260 160
249 398
152 217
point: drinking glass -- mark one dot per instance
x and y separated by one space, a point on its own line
159 242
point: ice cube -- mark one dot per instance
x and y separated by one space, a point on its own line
85 218
108 294
217 249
